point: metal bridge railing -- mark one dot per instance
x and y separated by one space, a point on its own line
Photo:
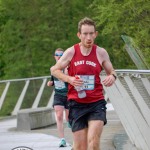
27 90
130 96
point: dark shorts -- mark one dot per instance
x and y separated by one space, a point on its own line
80 114
60 100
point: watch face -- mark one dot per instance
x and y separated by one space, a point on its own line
114 76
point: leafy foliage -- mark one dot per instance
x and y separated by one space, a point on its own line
30 31
124 17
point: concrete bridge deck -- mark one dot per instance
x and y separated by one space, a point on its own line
113 137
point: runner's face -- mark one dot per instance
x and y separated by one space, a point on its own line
87 35
58 54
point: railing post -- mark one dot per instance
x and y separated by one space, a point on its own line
38 97
50 102
20 100
4 94
146 84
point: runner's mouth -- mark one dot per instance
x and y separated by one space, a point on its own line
89 42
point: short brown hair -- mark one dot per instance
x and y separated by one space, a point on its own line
59 49
87 21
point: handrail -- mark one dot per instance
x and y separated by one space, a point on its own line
24 79
132 71
117 70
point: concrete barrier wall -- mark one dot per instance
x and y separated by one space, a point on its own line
28 119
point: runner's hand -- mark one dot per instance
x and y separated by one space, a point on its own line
109 80
49 83
75 81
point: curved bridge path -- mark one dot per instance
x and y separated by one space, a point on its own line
113 137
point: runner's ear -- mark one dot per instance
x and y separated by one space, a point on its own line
78 34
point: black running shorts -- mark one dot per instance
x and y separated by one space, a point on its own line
60 100
80 114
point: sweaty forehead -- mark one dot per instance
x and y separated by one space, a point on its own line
87 28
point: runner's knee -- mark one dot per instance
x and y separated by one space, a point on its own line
93 142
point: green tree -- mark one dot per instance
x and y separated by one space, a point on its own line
32 30
123 17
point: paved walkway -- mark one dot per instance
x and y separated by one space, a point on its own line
46 138
11 138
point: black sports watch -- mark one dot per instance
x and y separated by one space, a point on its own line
114 76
